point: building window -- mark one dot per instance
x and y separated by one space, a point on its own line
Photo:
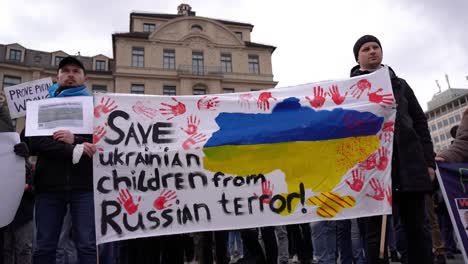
239 35
138 57
462 101
169 90
451 120
436 139
15 55
10 80
99 88
228 90
457 118
445 122
196 29
100 65
199 91
439 125
37 59
448 135
433 128
147 27
226 63
58 59
253 64
442 137
137 89
197 63
169 59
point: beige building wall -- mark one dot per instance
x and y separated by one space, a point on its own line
178 35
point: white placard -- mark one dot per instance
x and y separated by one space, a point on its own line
18 95
75 113
178 164
12 178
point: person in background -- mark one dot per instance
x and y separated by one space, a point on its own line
16 238
236 250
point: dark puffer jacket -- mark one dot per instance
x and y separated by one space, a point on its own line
54 168
412 147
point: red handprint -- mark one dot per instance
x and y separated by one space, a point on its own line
193 140
263 102
383 158
104 108
244 99
141 109
336 96
378 190
388 193
99 133
381 99
358 181
319 97
267 189
126 199
208 103
173 110
358 88
192 125
387 131
164 197
370 163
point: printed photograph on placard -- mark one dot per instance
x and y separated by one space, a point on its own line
56 115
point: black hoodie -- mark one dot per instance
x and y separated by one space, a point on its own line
412 146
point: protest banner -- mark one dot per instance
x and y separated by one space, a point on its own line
71 113
453 180
18 95
12 177
313 152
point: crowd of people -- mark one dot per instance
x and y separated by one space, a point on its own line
59 194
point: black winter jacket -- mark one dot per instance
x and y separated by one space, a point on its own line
412 146
54 168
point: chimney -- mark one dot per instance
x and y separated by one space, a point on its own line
185 10
438 85
447 79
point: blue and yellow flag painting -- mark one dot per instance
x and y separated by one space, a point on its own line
168 165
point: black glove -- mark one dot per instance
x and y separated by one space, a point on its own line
21 149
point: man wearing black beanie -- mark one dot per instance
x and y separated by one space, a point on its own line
412 164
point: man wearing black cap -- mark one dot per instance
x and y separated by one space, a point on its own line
63 177
412 163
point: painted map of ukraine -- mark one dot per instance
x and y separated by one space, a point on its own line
312 147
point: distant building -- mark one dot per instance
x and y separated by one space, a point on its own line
165 54
185 54
445 111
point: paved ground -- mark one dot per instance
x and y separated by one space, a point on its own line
458 260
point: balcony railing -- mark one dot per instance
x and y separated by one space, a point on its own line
198 70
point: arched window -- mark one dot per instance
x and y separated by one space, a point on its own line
196 28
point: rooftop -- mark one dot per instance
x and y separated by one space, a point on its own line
445 97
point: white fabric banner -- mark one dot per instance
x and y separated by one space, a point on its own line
18 95
168 165
13 177
73 113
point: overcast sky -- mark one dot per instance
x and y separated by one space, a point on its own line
421 39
